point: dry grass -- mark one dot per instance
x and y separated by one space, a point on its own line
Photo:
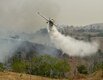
95 76
20 76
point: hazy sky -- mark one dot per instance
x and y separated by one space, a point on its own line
80 12
20 15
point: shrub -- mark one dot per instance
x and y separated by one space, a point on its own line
18 66
44 65
82 69
1 67
98 66
49 66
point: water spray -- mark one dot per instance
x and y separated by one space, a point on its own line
69 45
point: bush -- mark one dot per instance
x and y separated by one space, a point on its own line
1 67
82 69
98 66
44 65
49 66
18 65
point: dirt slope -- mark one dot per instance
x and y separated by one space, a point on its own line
95 76
20 76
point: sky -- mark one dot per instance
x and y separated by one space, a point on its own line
80 12
20 15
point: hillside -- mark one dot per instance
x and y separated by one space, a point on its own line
26 46
98 75
20 76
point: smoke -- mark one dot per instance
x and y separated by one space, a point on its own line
20 15
7 48
17 16
71 46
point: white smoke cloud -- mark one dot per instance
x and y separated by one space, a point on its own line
71 46
20 16
7 48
